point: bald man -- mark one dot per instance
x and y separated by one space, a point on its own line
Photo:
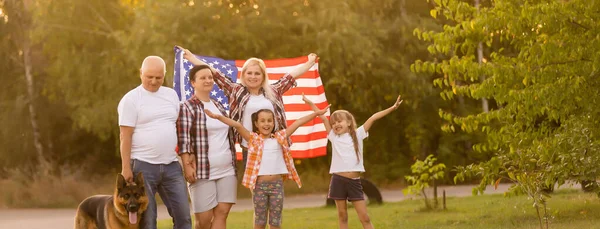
147 117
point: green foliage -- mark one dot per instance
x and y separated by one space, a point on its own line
423 174
87 55
541 71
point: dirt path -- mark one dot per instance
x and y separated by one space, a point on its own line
63 218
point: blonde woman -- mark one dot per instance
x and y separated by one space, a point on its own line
254 92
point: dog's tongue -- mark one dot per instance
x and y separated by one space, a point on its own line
133 217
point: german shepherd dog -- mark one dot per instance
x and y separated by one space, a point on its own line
124 209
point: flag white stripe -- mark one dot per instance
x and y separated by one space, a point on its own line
181 78
309 145
295 115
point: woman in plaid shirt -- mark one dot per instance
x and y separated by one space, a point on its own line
269 162
254 92
207 150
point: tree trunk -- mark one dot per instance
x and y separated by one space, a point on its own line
31 97
427 204
484 102
25 44
403 13
435 194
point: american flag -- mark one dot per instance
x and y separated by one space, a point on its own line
309 140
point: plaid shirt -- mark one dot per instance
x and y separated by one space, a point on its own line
255 153
239 96
192 135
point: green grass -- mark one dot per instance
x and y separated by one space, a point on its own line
567 209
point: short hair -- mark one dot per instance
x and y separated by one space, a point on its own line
196 69
148 58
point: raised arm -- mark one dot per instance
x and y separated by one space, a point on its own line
230 122
222 81
315 109
298 71
381 114
301 121
288 81
192 58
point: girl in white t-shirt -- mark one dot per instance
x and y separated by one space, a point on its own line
347 160
269 162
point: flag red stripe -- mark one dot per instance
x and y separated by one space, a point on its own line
309 137
286 61
239 63
302 107
310 153
275 63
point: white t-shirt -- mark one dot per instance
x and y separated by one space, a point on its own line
153 116
255 103
343 158
272 162
219 153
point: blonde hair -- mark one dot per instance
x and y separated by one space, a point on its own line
266 86
340 115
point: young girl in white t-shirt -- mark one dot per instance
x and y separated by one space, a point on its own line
269 162
347 160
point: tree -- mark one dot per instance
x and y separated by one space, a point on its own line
90 68
87 56
541 65
424 173
21 23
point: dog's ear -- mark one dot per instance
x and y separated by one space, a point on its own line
139 179
121 182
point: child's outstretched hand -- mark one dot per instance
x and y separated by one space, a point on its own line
398 102
322 112
212 115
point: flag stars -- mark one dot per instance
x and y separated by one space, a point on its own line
223 66
229 72
187 93
213 93
220 99
216 62
226 105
